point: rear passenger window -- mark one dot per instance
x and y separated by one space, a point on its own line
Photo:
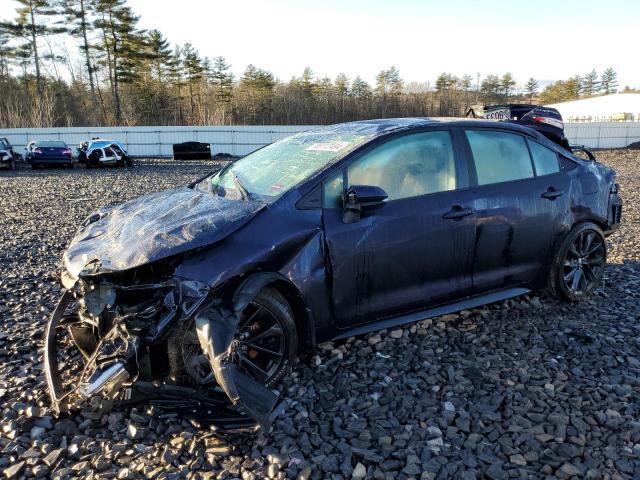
544 159
499 156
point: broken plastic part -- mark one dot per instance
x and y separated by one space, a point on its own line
216 326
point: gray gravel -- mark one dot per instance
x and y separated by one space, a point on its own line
527 388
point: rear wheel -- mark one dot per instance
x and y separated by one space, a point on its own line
264 345
579 263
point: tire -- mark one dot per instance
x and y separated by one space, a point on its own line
268 300
128 162
579 262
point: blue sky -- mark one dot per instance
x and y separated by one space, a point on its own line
544 39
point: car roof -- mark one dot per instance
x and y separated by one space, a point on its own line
384 126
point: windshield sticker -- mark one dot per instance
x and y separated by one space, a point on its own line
328 146
276 187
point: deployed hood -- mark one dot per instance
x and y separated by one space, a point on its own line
153 227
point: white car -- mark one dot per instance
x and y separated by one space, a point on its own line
106 152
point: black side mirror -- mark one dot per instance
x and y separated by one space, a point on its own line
362 198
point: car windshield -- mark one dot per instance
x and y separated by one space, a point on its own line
271 171
51 144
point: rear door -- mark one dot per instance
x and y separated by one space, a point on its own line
414 251
519 200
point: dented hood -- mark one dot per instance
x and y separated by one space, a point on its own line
153 227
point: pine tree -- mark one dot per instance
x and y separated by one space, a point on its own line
573 87
360 89
609 81
466 82
490 87
31 23
444 82
122 44
388 82
257 79
78 16
342 85
590 84
531 88
194 72
7 53
307 82
160 54
175 75
507 83
222 78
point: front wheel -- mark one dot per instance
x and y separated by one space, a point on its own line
265 342
579 263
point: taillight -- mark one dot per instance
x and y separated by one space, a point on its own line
37 150
554 122
67 152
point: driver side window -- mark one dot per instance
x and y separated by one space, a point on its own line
409 166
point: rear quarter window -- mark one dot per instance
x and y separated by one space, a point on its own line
499 156
544 159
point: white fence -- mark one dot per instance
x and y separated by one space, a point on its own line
240 140
603 134
158 141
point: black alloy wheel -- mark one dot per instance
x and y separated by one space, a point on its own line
580 262
263 347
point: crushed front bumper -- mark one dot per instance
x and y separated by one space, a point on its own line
240 405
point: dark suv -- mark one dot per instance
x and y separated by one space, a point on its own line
330 233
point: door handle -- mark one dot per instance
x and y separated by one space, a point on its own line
552 194
457 212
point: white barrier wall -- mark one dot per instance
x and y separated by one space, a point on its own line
603 134
240 140
158 141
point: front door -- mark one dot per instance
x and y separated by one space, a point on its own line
413 252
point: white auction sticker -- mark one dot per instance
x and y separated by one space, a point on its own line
328 146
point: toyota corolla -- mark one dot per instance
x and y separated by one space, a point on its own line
202 296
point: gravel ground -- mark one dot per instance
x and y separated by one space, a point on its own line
527 388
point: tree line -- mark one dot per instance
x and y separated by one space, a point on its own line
121 74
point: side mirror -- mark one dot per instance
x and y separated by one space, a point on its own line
362 198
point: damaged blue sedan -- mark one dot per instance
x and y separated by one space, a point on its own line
201 297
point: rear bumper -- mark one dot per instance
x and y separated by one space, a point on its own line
50 161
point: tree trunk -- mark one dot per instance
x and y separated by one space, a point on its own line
83 27
36 58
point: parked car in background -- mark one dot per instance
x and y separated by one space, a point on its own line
8 155
101 152
50 153
330 233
